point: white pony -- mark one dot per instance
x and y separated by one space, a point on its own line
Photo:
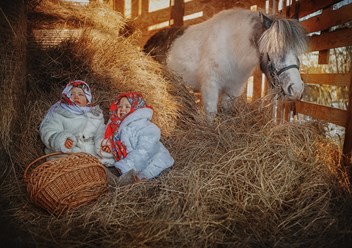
218 56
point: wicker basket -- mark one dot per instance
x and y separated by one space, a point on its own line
66 182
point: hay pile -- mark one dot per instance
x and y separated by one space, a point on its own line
242 182
13 42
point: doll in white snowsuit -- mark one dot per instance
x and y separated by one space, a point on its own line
73 124
132 142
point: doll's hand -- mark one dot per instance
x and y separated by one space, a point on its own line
136 179
68 143
106 149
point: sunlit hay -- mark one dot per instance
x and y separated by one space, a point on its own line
110 64
232 184
125 68
64 61
12 71
61 14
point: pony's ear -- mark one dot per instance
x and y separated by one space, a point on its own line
266 21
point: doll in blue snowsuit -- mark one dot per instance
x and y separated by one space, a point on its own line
132 142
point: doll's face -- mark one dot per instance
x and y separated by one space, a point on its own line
124 107
78 96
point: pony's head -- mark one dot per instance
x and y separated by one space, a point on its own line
282 41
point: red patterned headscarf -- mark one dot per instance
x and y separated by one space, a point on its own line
136 100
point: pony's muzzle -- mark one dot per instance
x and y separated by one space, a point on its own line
294 91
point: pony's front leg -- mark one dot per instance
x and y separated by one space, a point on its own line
210 97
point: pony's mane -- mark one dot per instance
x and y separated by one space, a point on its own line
282 36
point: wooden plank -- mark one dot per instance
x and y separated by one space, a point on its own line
328 18
193 21
266 87
119 6
337 79
209 8
309 6
347 145
177 12
296 9
323 58
257 83
339 38
320 112
145 7
274 7
283 12
155 17
163 15
279 111
134 8
287 11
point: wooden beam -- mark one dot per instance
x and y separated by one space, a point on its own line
190 7
119 6
323 57
134 8
339 38
309 6
328 18
320 112
144 7
337 79
279 111
177 13
257 83
297 9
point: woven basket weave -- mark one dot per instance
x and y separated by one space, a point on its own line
66 182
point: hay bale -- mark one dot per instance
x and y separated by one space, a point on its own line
234 185
13 43
242 182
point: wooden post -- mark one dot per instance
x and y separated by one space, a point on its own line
145 7
297 7
257 84
274 8
287 10
347 145
323 57
134 8
177 13
143 26
279 111
119 6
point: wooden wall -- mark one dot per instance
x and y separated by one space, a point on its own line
323 42
174 14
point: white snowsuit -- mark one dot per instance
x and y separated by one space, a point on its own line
85 130
146 155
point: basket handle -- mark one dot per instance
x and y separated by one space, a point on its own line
25 174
